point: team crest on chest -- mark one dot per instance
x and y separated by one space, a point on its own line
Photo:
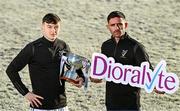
123 53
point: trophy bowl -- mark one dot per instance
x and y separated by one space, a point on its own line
74 62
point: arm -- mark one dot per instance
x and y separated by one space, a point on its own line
141 56
18 63
80 79
80 74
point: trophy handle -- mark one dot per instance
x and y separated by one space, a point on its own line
86 67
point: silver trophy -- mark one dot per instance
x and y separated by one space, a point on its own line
75 62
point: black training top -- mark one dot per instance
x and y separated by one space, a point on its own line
127 52
42 57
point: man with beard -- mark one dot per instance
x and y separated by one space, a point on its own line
126 51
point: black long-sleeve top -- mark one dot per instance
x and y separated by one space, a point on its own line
127 52
42 57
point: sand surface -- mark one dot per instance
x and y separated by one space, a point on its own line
155 23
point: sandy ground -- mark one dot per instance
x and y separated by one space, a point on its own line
155 23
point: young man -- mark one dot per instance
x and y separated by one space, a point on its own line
43 59
126 51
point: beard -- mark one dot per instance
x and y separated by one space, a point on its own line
118 33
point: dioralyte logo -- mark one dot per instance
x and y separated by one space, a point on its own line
142 77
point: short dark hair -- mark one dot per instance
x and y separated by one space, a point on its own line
51 18
115 14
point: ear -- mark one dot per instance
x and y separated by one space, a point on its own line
126 25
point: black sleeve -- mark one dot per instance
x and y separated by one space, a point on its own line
67 48
80 73
102 49
18 63
141 55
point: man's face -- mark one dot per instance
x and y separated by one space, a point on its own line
50 31
117 26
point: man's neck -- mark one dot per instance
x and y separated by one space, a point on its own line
51 40
117 39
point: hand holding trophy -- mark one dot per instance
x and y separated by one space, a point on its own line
74 62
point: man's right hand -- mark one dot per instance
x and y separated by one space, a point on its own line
33 99
95 80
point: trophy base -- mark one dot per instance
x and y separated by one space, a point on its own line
69 80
